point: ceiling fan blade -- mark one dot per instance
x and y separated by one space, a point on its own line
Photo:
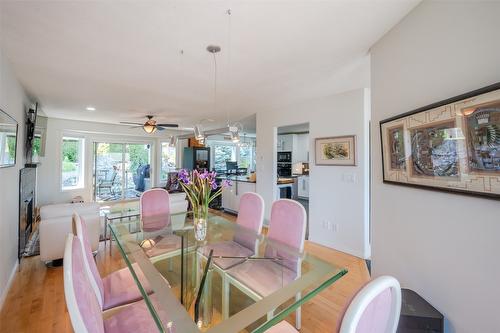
168 125
129 123
137 126
159 128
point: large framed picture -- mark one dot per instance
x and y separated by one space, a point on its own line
337 150
452 145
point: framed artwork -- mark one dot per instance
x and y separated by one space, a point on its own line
452 145
336 150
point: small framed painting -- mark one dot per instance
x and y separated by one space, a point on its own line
452 145
336 150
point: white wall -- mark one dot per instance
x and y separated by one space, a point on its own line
49 173
13 101
443 246
331 197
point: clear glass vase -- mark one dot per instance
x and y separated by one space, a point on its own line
200 217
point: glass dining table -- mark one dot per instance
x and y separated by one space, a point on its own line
233 281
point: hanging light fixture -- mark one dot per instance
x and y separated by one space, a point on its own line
173 141
198 133
235 137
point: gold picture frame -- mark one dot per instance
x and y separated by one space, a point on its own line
336 150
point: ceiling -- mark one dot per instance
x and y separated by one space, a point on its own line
124 57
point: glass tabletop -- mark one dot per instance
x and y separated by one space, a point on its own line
233 281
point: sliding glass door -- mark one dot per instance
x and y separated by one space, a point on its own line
121 170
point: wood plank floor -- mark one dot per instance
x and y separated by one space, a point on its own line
35 302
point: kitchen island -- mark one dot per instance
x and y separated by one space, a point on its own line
231 195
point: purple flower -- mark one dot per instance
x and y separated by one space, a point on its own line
204 175
213 184
184 176
227 183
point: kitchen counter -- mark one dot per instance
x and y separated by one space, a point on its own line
285 180
236 179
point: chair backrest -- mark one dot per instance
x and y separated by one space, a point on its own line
375 308
250 219
80 228
288 226
288 223
251 211
155 209
83 307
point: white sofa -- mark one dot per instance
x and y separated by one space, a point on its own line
56 223
178 202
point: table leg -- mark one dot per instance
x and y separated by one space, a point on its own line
226 288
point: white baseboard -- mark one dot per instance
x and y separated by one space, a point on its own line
9 283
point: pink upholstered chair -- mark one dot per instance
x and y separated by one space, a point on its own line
155 217
155 209
83 306
244 243
251 212
263 277
117 288
374 309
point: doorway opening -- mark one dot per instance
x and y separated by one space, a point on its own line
292 165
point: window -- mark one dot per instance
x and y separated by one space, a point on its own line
246 157
72 160
243 154
168 161
222 154
36 148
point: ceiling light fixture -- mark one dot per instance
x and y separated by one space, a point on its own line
90 108
149 127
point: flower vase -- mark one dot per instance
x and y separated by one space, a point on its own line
200 223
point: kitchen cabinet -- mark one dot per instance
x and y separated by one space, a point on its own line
303 186
231 195
286 142
300 151
196 158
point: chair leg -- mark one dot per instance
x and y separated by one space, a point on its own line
226 289
298 313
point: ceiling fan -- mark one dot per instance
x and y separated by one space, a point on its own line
150 126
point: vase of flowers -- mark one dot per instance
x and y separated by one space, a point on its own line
201 189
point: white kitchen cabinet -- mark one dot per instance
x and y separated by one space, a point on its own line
303 186
285 142
231 195
300 151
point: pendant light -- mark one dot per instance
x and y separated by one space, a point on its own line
173 141
198 132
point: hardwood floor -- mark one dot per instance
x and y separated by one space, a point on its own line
35 302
